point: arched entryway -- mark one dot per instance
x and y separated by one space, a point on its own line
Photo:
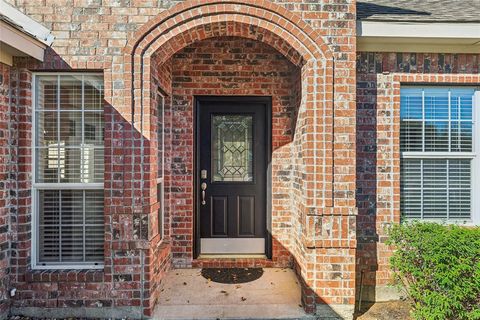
166 63
255 91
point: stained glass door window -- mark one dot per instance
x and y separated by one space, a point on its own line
232 148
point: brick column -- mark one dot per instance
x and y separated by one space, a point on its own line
8 144
329 238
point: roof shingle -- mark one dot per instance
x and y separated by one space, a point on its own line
419 10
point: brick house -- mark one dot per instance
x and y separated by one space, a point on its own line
152 135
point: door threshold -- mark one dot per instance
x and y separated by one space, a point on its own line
235 246
231 256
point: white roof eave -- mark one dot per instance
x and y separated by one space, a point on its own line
427 37
406 29
25 24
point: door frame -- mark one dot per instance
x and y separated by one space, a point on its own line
267 102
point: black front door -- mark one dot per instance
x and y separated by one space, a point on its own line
231 174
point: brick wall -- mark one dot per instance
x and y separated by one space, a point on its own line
161 257
15 171
379 77
102 35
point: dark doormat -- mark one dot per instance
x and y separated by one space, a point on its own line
232 275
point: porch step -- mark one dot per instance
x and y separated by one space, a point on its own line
232 312
185 294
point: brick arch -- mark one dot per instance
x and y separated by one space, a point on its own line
261 20
284 20
164 49
181 20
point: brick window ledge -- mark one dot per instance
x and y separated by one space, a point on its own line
64 275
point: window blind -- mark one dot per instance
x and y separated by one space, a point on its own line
71 226
436 120
436 140
436 188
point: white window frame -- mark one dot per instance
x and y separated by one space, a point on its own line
36 187
162 178
474 156
476 159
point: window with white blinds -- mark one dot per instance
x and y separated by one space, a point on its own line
68 148
438 137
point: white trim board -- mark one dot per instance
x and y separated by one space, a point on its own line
418 30
18 43
476 160
382 36
26 24
20 35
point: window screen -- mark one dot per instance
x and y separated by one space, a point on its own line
436 140
69 169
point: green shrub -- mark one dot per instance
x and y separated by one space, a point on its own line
439 268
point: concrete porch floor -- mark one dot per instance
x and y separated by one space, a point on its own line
187 295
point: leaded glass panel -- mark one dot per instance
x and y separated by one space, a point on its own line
232 147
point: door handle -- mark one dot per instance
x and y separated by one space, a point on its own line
204 187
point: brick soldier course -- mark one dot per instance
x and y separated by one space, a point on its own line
327 99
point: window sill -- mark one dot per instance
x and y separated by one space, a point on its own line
65 275
459 222
60 267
